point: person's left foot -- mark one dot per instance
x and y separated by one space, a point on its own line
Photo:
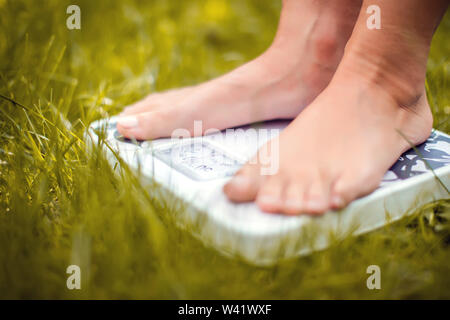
374 109
336 150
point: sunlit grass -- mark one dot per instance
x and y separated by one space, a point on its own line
60 204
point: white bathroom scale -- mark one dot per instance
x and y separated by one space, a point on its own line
195 170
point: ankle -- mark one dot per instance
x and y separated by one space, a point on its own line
401 74
315 31
403 99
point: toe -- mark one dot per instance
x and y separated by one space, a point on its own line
344 191
144 126
156 100
294 200
352 186
318 195
144 105
243 187
270 195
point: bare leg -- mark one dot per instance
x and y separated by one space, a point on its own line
299 64
339 148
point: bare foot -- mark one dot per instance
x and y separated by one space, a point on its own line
299 64
337 150
340 147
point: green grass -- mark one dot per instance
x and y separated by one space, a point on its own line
60 205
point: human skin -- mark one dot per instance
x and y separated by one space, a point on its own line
373 110
363 89
280 83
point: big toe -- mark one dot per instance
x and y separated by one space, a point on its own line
243 187
156 101
144 126
144 105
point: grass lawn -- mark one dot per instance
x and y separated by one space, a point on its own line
60 205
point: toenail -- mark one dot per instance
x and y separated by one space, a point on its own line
240 181
314 205
268 200
124 110
128 121
337 201
294 205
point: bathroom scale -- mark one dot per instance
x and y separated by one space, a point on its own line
194 170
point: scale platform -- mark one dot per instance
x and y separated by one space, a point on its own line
195 170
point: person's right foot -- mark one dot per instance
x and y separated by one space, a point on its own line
277 85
